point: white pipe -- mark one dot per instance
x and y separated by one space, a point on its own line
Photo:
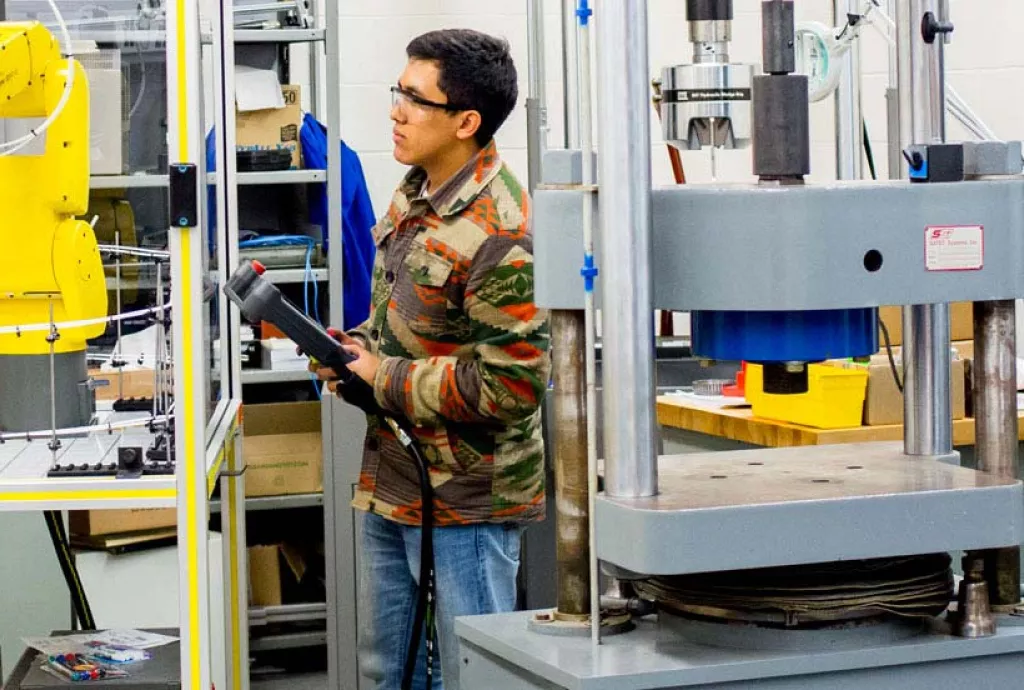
37 327
586 134
79 430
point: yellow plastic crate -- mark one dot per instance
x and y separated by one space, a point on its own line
834 397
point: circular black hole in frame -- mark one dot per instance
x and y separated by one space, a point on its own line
873 261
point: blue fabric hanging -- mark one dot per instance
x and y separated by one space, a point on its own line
357 217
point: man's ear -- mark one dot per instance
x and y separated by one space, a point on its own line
469 124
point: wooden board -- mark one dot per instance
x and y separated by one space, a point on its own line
741 425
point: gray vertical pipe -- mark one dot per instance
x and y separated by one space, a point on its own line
928 422
536 107
627 310
995 424
570 76
849 125
892 104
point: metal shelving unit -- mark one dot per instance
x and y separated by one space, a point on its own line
146 181
280 35
285 276
296 640
253 503
302 625
270 376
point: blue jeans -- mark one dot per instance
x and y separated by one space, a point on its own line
475 569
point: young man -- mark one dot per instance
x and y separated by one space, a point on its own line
454 343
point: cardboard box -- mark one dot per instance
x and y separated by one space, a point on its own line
272 128
138 383
94 523
961 322
282 449
884 402
275 574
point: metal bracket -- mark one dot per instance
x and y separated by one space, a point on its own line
232 474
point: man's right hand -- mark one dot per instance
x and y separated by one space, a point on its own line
327 373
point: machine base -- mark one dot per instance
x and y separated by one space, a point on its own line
499 653
26 382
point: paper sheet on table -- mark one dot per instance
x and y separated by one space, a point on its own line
57 645
257 89
136 639
711 402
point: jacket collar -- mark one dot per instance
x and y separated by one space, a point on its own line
450 199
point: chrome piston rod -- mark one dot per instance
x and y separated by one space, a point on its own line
927 404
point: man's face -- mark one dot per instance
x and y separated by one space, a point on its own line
422 131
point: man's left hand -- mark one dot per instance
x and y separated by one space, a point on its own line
364 366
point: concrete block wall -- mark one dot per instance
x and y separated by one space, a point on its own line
984 63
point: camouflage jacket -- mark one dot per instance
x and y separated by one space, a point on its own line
464 351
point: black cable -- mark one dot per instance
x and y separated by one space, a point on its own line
427 595
357 392
892 360
867 151
55 525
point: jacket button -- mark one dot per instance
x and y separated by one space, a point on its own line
389 276
375 334
373 445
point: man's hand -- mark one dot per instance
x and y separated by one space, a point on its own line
364 366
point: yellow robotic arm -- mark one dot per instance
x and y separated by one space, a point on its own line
47 256
49 262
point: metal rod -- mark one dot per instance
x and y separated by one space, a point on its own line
586 133
928 422
849 125
117 273
536 105
568 335
995 424
158 345
631 431
892 101
52 340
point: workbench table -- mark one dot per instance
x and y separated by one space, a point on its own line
741 426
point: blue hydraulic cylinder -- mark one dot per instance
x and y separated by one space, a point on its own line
780 336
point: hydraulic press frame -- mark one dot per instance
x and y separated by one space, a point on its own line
790 248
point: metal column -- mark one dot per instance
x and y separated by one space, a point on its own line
849 126
928 425
570 461
630 430
995 421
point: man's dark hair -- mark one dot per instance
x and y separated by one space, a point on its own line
476 73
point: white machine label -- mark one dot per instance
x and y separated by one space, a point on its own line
954 248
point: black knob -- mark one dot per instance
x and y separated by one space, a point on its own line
931 27
915 159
